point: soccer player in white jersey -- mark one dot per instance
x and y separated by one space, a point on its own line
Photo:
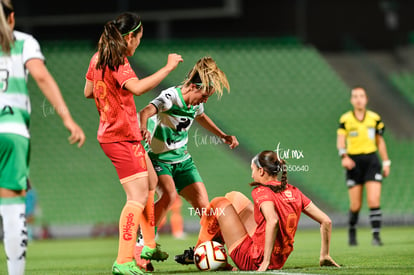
176 108
20 54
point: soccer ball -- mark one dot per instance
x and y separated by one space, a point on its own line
210 255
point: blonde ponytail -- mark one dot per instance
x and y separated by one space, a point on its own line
206 74
6 33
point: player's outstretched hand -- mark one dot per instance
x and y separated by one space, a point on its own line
231 141
328 261
76 133
173 61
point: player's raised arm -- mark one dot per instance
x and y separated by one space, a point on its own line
208 124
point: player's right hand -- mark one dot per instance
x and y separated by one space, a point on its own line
173 61
348 163
146 135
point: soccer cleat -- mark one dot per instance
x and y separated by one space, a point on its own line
142 263
155 254
376 241
352 237
186 258
129 268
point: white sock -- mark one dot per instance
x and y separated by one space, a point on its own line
15 236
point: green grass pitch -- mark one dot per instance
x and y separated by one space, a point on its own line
95 256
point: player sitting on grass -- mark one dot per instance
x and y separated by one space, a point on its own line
260 236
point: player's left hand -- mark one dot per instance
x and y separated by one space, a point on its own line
385 171
231 141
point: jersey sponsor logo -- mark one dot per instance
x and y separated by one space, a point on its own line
127 229
183 124
288 196
353 133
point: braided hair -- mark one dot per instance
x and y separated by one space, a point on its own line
270 162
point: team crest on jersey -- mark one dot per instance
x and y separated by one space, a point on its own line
288 196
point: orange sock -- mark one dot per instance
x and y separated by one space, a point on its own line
209 223
176 219
238 200
147 222
128 227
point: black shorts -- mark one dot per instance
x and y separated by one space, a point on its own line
367 168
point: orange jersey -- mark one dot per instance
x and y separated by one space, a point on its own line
289 204
116 106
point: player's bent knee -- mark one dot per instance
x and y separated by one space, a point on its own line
238 200
220 202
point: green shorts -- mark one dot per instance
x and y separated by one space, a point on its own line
14 161
183 173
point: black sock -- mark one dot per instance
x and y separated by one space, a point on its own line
375 218
353 219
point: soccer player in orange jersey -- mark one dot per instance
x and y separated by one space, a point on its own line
263 239
111 81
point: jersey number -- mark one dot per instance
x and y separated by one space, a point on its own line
4 80
101 99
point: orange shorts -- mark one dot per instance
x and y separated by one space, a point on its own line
128 157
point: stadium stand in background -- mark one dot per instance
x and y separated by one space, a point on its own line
284 96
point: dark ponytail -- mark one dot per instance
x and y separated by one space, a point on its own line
6 34
112 47
272 165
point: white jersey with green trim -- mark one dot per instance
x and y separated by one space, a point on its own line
14 96
174 119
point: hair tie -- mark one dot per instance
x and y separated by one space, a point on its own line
277 169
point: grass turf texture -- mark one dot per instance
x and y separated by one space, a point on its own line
95 256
